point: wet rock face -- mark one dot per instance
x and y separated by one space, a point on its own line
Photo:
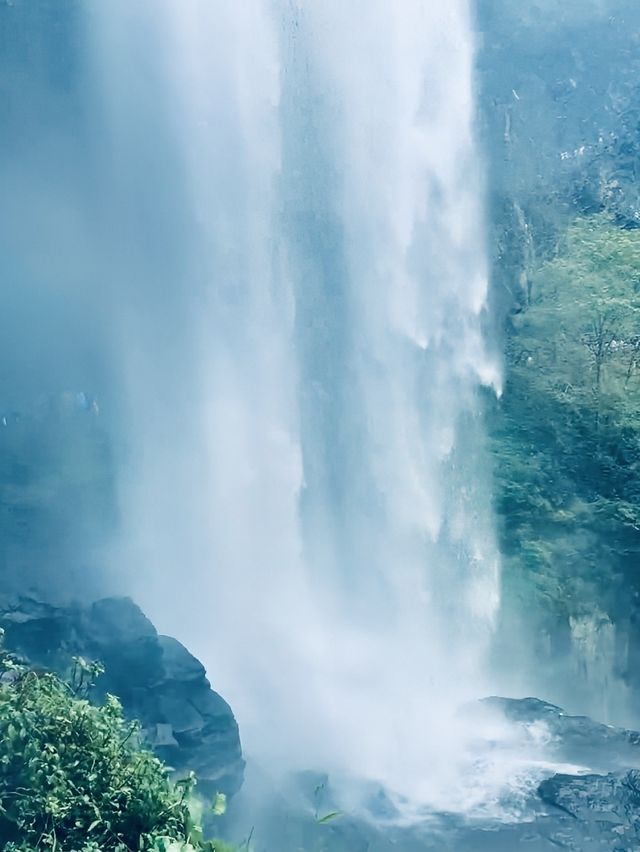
595 812
158 681
597 809
575 739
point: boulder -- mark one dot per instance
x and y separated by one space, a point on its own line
159 682
574 739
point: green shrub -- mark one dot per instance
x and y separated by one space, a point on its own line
74 777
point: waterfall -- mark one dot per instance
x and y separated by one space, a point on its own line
292 238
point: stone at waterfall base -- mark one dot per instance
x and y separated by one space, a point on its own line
158 681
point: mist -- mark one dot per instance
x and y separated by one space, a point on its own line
251 266
235 230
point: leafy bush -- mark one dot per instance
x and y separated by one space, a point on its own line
75 778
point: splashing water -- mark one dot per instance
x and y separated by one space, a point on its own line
293 241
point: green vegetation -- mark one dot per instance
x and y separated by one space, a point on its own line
567 430
579 340
75 778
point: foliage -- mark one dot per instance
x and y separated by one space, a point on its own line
566 433
579 340
74 776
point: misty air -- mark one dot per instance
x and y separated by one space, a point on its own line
319 425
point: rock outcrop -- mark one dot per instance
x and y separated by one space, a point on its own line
571 739
158 681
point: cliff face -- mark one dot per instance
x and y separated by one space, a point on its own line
158 681
560 110
561 119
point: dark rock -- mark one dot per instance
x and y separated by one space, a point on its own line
181 715
209 703
118 620
126 642
177 663
158 681
36 630
595 811
609 797
575 739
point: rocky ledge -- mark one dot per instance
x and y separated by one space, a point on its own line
156 678
595 808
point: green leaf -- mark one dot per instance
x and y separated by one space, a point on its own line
329 817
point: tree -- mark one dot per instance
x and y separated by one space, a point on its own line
566 432
579 340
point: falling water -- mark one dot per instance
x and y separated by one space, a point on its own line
292 239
